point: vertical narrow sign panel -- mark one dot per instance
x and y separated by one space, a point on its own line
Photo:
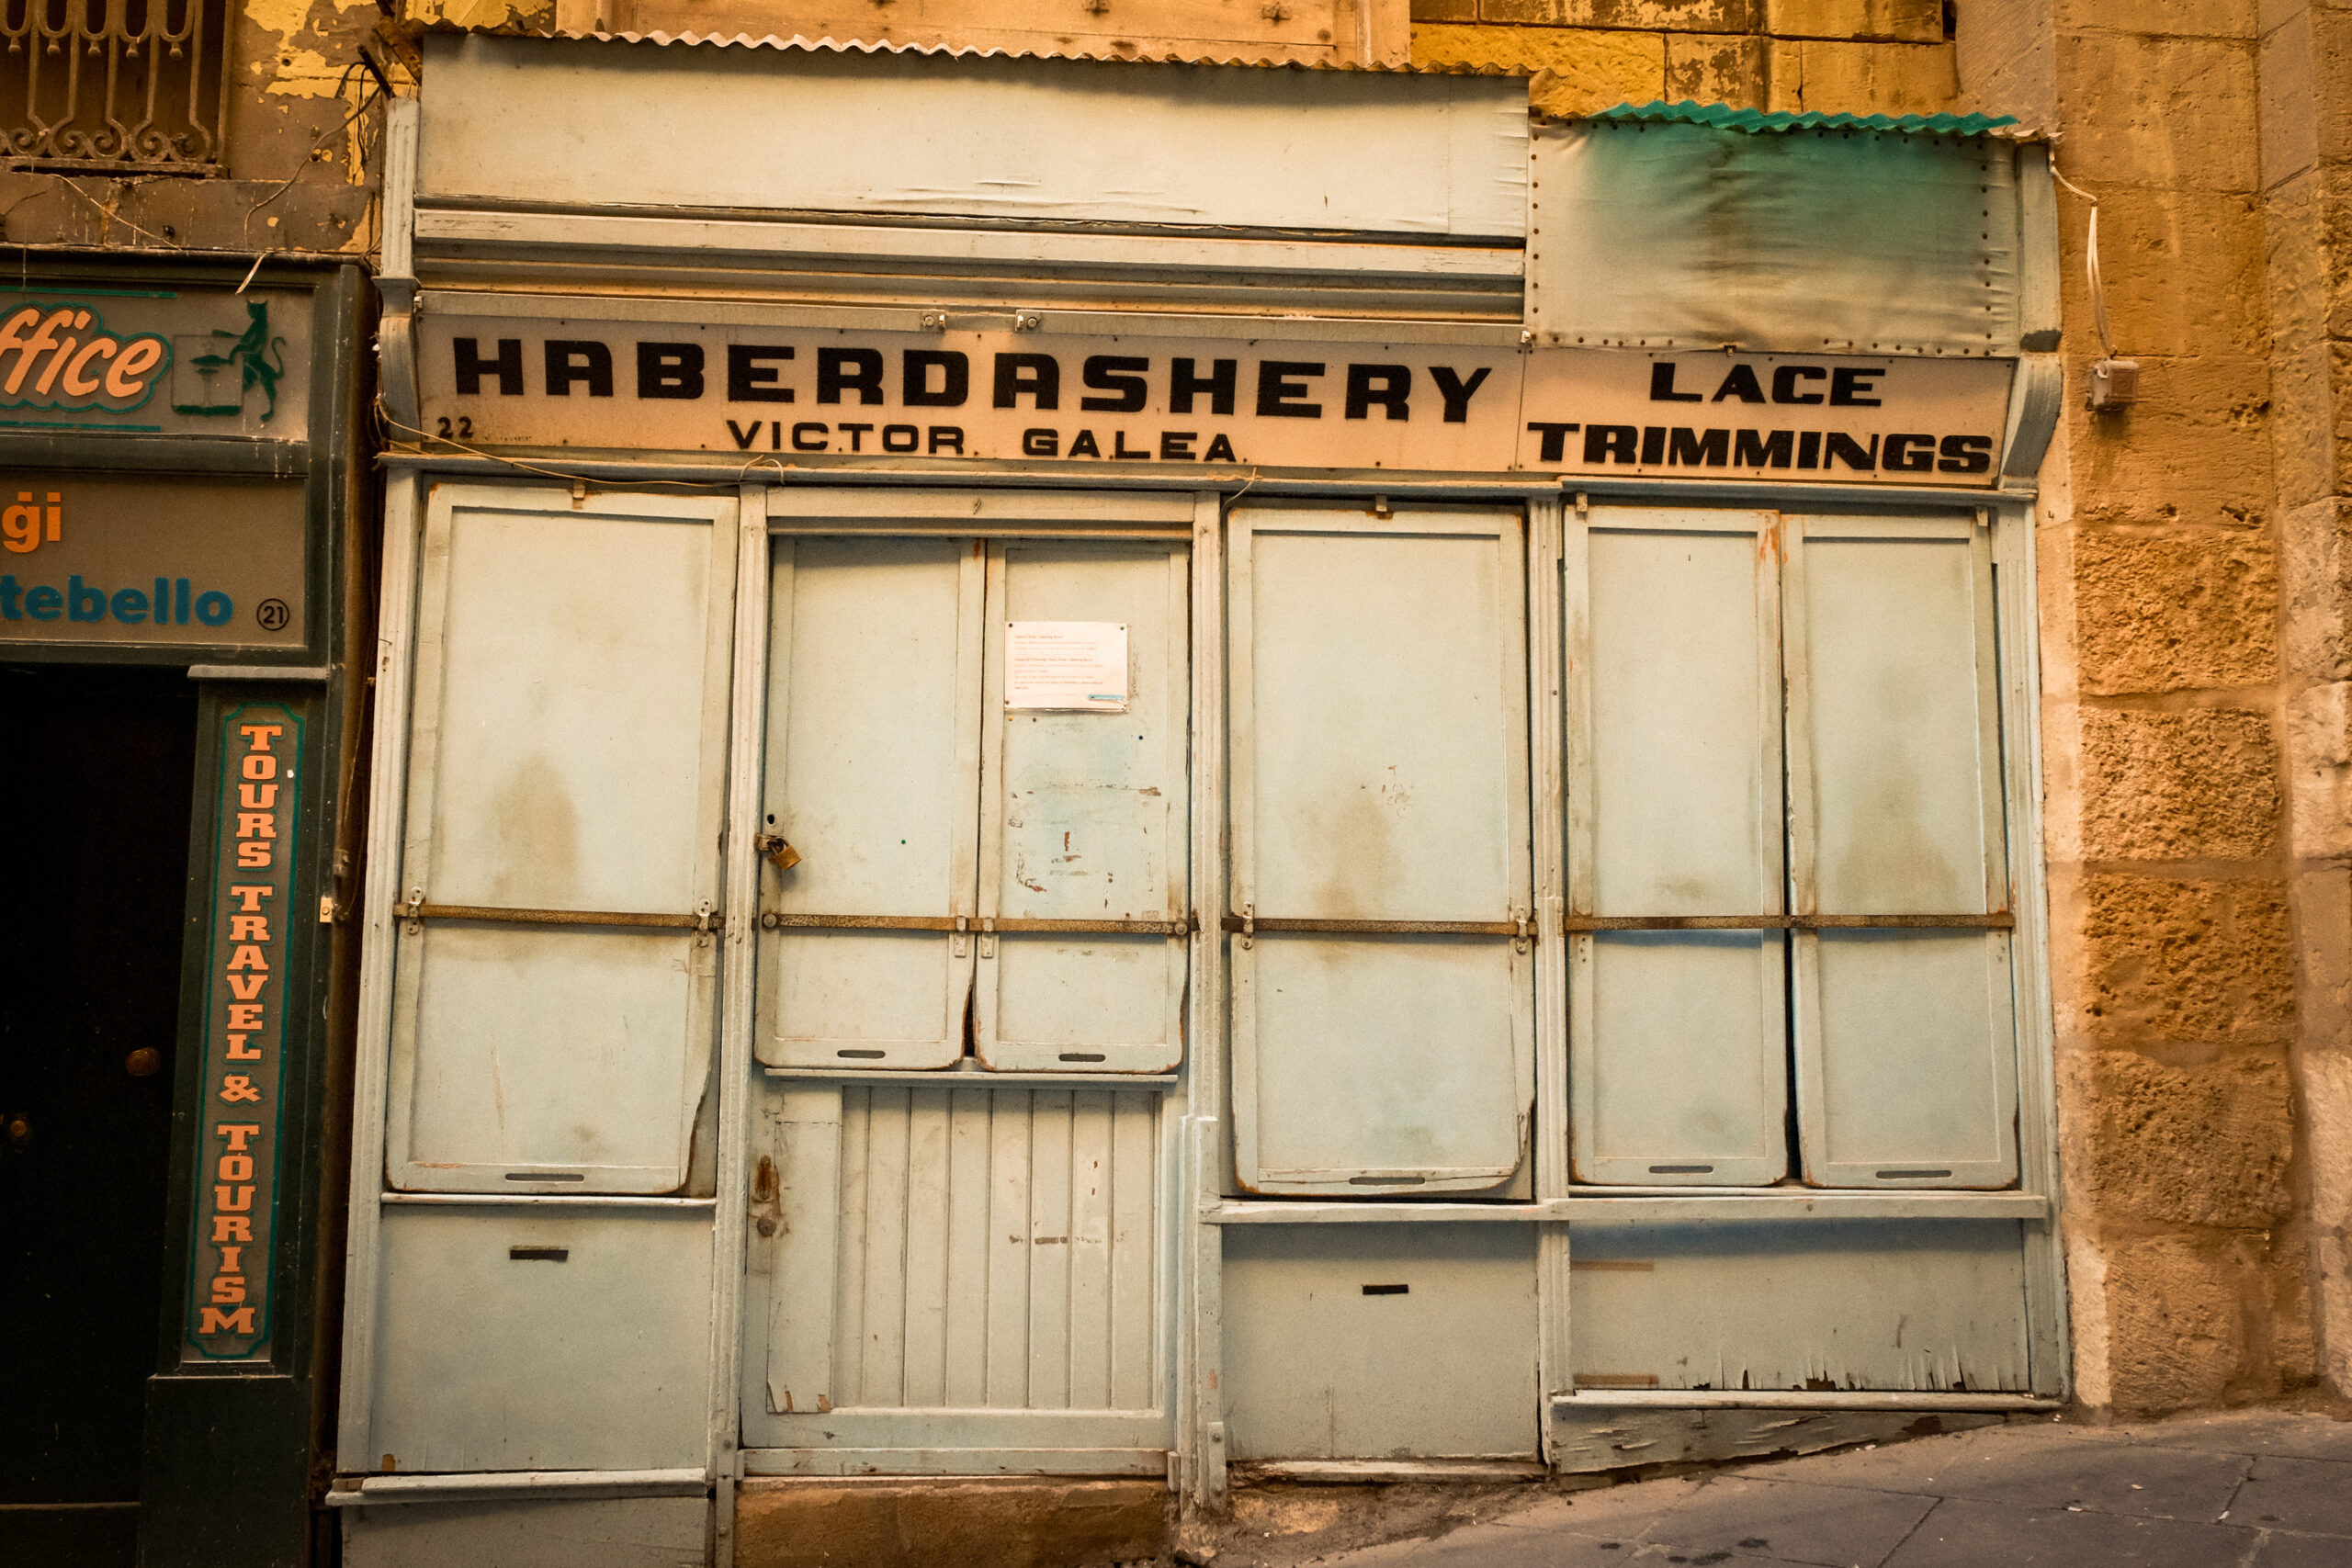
241 1121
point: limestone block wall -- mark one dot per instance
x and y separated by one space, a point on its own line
2182 928
301 166
1894 56
2304 60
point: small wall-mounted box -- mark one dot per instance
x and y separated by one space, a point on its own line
2112 384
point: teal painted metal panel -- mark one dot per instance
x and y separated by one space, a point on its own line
1808 242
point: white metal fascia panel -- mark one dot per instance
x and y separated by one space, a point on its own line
544 234
590 124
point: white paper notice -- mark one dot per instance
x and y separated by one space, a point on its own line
1066 665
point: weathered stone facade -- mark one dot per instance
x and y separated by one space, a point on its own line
2182 998
302 153
1890 55
2304 60
2195 566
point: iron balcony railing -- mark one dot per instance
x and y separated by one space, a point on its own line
127 84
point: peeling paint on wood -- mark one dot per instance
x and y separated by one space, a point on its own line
1626 1439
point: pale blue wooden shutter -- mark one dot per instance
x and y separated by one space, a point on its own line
554 1002
872 761
1907 1068
986 1250
1083 819
1677 1037
1379 777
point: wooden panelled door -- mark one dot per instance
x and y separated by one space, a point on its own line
974 888
94 828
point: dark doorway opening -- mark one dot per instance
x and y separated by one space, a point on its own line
97 770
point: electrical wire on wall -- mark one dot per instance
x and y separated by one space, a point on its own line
426 441
2113 383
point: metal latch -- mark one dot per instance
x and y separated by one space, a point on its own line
706 919
414 911
1523 922
961 944
1249 924
988 936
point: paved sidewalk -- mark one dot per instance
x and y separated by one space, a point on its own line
2241 1490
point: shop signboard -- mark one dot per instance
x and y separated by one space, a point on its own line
810 397
155 362
250 915
1787 418
93 559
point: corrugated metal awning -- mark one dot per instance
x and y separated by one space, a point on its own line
1723 117
1201 53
